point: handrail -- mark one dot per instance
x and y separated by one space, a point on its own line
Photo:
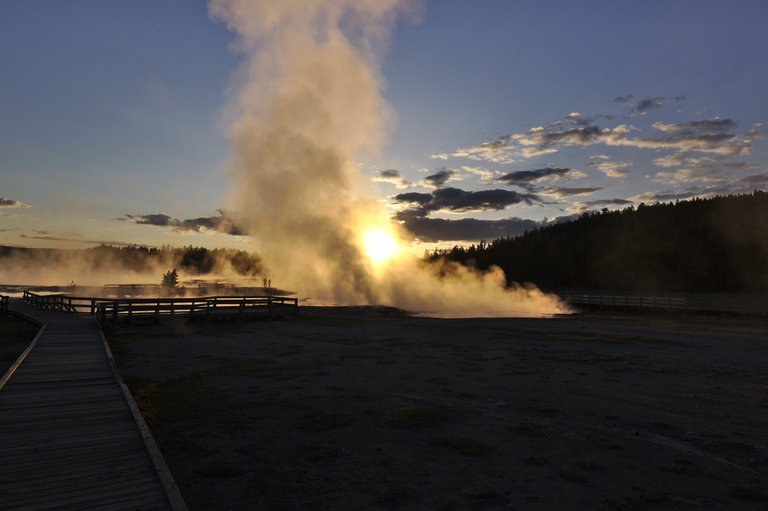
112 310
627 302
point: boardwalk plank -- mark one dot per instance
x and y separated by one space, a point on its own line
68 438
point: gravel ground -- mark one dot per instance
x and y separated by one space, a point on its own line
369 408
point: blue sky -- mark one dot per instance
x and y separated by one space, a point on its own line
517 112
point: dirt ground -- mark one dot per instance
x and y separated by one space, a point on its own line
369 408
15 336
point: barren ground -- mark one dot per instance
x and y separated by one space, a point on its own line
15 336
368 408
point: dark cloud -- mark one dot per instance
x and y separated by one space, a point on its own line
623 99
416 220
390 173
646 104
758 179
413 198
607 202
720 126
465 229
223 223
392 176
10 203
524 177
562 192
439 178
462 201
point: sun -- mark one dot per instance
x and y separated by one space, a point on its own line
380 244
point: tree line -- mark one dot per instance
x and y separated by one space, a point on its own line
716 244
191 260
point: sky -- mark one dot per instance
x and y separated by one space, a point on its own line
115 116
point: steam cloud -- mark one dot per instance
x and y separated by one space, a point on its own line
309 107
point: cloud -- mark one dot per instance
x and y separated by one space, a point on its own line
392 177
46 236
666 196
646 104
623 99
683 138
415 218
11 203
223 223
614 169
578 119
525 177
700 170
565 192
485 175
462 201
440 178
705 126
586 205
465 229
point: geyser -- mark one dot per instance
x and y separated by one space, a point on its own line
309 107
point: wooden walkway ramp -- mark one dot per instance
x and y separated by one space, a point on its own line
69 438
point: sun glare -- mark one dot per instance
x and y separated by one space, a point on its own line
380 244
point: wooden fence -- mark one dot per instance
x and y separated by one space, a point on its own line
130 308
134 308
62 302
614 302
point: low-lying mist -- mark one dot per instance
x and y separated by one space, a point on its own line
122 265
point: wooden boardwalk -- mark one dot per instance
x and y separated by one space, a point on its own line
70 437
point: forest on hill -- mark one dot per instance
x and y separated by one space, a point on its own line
710 245
190 261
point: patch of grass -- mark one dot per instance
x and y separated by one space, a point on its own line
219 469
165 401
463 445
418 416
747 491
321 421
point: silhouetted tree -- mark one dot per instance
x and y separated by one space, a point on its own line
170 278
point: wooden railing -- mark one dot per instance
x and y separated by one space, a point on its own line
62 302
3 305
133 308
128 308
614 302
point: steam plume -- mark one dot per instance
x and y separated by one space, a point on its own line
309 107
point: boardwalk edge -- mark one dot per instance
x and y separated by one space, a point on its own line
172 492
